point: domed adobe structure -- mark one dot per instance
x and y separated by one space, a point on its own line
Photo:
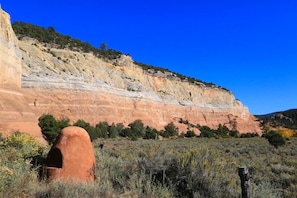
71 158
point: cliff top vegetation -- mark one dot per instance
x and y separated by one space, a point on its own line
50 36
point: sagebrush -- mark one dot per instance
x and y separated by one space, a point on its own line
182 167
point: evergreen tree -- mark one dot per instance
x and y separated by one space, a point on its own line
206 131
190 134
50 127
170 130
137 128
85 125
113 131
150 133
102 129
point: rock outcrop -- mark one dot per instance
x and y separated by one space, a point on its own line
10 56
81 86
15 113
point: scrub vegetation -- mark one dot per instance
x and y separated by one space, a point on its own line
180 167
282 119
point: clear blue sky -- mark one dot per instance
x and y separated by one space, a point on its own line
246 46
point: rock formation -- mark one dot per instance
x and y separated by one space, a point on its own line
78 85
10 56
71 158
15 113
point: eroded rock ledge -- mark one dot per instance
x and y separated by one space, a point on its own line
81 86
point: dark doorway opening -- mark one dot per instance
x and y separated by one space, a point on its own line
54 158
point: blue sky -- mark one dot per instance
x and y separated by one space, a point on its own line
248 47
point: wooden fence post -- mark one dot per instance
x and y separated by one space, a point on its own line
245 182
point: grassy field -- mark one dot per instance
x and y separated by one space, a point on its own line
194 167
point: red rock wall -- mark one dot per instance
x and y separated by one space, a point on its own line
94 107
81 86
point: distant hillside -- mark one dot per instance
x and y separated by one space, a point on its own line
57 40
286 119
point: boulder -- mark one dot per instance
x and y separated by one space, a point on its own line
71 157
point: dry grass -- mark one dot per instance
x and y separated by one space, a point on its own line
196 167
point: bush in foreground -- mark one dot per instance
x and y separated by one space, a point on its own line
275 139
18 176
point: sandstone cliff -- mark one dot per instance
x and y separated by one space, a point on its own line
10 59
81 86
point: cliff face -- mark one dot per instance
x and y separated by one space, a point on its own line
10 59
81 86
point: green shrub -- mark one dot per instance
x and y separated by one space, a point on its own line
248 135
190 134
205 131
126 132
233 133
27 146
137 128
150 133
50 127
113 131
170 130
102 129
222 131
91 130
275 139
18 177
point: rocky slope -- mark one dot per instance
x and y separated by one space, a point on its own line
282 119
81 86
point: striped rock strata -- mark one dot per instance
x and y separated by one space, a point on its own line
81 86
